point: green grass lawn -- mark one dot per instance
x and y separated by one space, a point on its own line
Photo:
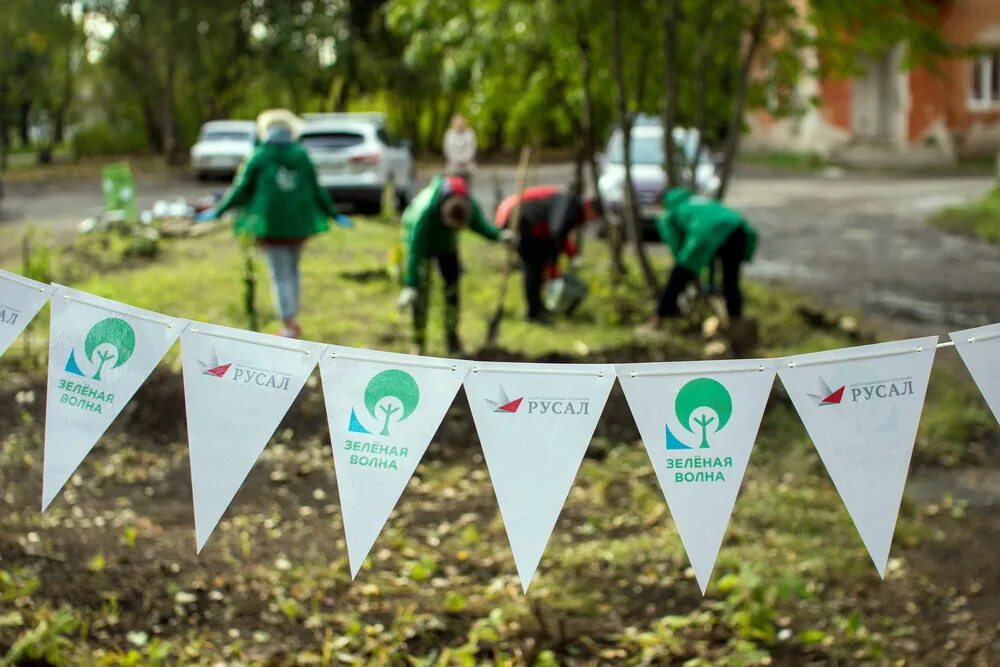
980 219
109 576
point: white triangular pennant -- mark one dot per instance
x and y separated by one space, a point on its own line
980 350
383 409
238 385
20 300
698 421
535 422
861 407
100 353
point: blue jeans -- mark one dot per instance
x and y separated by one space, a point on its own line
283 265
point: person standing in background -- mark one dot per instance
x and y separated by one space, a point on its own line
282 204
460 148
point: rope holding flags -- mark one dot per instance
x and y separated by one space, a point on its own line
698 420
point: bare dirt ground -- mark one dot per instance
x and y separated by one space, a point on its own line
857 241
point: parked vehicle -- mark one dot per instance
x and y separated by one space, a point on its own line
357 158
222 147
649 178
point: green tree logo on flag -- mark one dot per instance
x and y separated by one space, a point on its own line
703 407
390 397
109 344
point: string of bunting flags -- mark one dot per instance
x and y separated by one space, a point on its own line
698 420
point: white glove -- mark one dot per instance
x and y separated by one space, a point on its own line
406 298
507 235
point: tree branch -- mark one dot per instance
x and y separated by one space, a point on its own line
740 96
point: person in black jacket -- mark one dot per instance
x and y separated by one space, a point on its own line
548 219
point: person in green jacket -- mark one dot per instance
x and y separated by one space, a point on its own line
430 233
282 204
698 230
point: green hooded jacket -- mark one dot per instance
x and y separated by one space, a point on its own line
696 227
279 193
425 235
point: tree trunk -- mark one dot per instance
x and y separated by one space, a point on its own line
499 130
630 210
4 147
740 97
611 232
670 92
433 135
153 123
343 96
59 122
171 140
701 88
24 123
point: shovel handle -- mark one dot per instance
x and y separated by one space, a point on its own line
514 222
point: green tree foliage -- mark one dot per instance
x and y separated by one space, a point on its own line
160 68
39 50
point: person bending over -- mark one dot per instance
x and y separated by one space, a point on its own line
698 230
549 216
430 234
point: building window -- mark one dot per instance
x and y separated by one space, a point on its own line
984 87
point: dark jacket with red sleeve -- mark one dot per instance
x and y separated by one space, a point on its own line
549 215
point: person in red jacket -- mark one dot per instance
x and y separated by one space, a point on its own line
549 216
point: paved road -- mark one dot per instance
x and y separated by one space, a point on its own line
862 241
854 241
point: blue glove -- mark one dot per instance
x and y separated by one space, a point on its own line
206 215
343 221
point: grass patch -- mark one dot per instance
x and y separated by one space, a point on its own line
980 219
108 575
25 170
790 160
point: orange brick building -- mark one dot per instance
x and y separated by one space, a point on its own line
893 115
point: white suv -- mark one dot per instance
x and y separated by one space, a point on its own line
222 147
356 159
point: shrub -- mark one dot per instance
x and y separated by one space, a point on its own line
106 139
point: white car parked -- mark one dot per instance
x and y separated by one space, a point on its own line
649 179
356 159
222 147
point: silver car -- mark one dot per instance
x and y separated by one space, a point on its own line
649 179
357 159
222 147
